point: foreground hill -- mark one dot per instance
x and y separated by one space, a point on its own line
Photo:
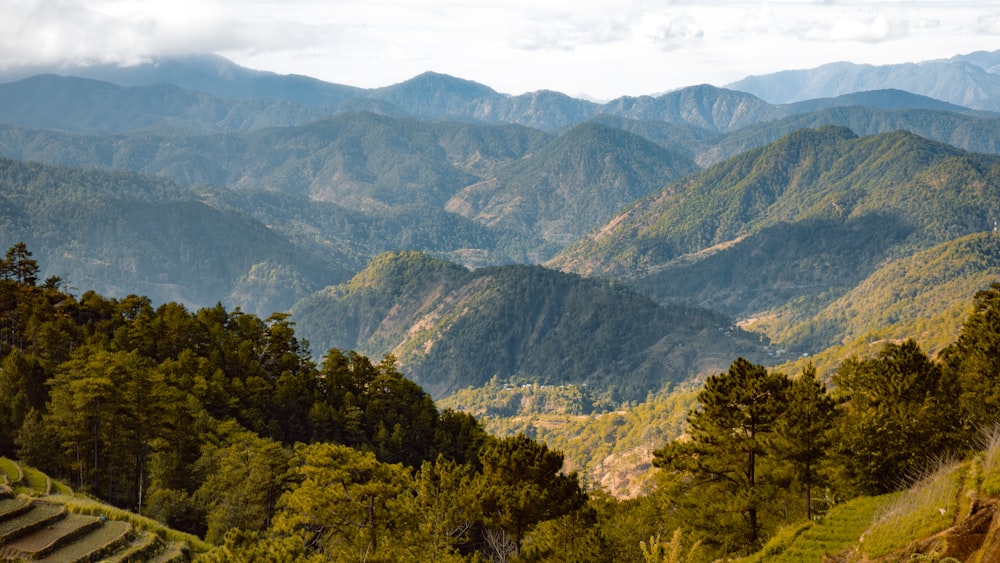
806 218
452 328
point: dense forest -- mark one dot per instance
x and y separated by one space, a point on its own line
219 423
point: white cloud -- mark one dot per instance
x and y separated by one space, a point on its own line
674 31
872 29
989 23
601 47
566 32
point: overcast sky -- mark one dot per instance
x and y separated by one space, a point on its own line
599 48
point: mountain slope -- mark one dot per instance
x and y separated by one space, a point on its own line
976 133
923 296
212 94
90 106
572 184
452 328
123 233
801 221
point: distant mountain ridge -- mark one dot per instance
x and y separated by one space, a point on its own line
967 80
125 233
240 99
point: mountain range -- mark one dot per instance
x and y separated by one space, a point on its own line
415 219
969 80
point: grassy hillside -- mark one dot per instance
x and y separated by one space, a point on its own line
947 515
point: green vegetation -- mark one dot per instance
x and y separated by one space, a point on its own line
452 328
929 506
757 439
820 238
837 531
215 422
572 184
226 426
11 471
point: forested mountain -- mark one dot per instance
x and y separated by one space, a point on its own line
975 133
508 178
805 218
126 233
452 328
570 185
848 232
802 220
220 424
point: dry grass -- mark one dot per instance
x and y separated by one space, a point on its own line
929 506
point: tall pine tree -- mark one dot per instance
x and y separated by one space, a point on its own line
720 464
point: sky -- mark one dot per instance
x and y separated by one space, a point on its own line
599 49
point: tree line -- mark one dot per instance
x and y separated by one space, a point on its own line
220 423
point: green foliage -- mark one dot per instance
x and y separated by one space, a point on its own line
898 414
571 538
344 503
779 542
523 485
245 479
973 360
22 382
991 464
835 532
658 552
452 328
724 459
189 416
803 434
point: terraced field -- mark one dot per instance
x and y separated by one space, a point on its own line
41 528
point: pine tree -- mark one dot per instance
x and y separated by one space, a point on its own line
803 433
899 413
729 432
